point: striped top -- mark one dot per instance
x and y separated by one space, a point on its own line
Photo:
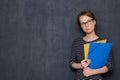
77 55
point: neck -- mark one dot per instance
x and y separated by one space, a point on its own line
90 37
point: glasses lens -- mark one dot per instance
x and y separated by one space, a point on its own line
88 22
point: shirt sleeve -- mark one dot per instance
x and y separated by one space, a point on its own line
73 54
110 61
109 64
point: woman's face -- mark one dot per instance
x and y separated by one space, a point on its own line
87 24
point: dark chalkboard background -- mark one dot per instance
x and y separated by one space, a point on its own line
36 36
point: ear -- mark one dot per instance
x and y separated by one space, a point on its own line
94 22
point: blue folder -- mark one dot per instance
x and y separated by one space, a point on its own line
99 54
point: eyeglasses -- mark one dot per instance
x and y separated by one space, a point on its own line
88 22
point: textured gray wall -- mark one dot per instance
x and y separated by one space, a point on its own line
36 36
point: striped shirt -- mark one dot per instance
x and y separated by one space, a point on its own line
77 55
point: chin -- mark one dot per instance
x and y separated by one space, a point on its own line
88 32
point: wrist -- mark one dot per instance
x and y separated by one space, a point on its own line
81 66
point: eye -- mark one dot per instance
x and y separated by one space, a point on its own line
88 22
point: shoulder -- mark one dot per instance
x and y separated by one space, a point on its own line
78 40
104 38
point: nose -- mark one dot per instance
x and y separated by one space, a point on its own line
86 25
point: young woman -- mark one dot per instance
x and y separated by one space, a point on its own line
87 23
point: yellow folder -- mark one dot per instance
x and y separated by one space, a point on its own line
87 45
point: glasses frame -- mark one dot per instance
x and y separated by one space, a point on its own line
88 22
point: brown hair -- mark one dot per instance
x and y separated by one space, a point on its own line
87 13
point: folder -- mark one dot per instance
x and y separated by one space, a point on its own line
101 41
86 49
87 45
98 52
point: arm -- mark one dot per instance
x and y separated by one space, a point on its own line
84 63
88 71
76 66
74 63
73 57
101 70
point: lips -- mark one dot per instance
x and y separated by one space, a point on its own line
86 29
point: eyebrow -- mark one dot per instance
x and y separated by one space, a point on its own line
88 20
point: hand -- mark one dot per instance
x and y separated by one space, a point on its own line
88 71
85 62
